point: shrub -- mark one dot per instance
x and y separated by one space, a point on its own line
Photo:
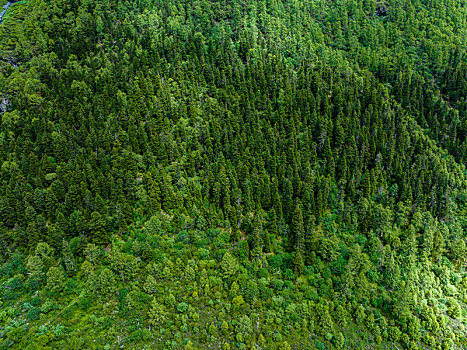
182 307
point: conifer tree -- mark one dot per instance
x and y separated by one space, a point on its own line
97 228
298 236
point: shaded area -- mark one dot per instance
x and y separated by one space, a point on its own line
5 9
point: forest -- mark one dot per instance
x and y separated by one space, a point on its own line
233 174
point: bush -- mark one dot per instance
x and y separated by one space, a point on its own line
453 308
33 313
277 337
84 302
182 307
141 335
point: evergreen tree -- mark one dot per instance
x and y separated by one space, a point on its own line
298 239
97 228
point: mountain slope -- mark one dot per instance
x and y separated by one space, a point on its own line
233 174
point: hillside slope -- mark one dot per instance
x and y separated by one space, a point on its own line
233 174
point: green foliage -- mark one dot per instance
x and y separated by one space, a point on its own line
229 265
56 280
102 285
182 307
233 174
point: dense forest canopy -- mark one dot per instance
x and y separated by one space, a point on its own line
273 174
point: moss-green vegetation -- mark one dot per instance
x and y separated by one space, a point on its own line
233 174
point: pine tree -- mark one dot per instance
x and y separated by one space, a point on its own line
267 241
34 235
288 200
99 205
156 315
256 239
298 239
97 228
273 228
68 259
55 237
7 210
62 223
